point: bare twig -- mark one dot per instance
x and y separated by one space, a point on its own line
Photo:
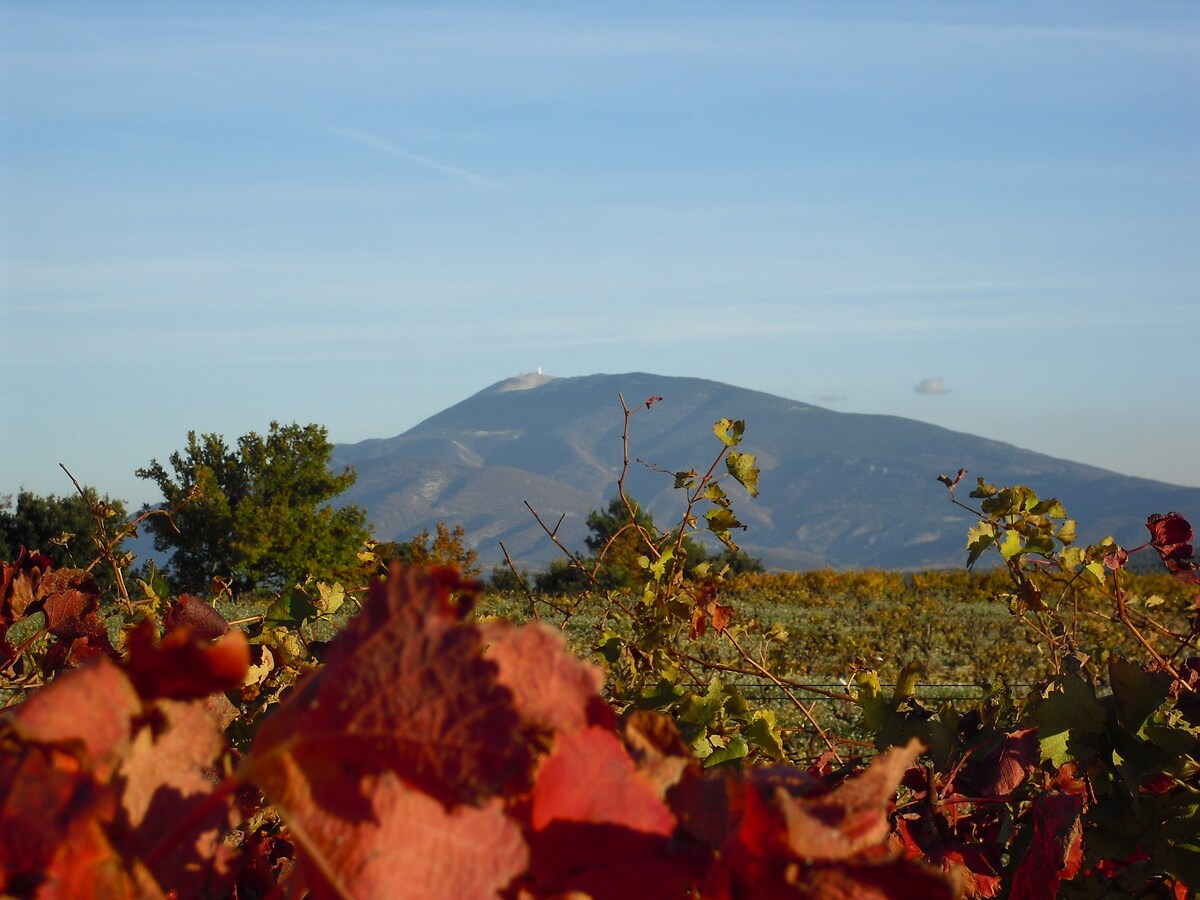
740 670
1123 614
512 567
261 617
553 535
807 711
103 542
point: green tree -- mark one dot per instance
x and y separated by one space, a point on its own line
259 514
61 527
562 577
737 562
621 538
502 578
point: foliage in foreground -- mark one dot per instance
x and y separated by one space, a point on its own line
429 756
411 750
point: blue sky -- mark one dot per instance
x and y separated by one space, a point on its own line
985 216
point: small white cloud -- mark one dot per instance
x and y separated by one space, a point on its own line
935 385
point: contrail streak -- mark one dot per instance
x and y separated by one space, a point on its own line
385 146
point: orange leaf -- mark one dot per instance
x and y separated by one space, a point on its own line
18 582
92 705
409 845
45 795
851 817
167 773
88 868
552 688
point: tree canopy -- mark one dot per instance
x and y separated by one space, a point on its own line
63 528
259 514
448 548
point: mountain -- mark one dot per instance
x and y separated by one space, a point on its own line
837 489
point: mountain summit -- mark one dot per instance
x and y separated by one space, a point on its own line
837 489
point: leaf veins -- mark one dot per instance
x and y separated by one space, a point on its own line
405 688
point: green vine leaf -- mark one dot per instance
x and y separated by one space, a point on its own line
714 494
685 479
729 432
906 684
734 750
983 490
1011 546
658 568
1050 507
1069 722
1066 531
979 538
720 522
742 467
763 732
1137 693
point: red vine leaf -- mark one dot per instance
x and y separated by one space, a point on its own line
71 601
553 690
590 778
1001 765
68 597
600 826
1056 852
822 845
184 666
893 879
1171 535
80 797
975 866
406 689
198 615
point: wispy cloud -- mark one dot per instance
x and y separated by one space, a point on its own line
383 145
934 385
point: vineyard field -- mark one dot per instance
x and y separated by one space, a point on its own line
822 627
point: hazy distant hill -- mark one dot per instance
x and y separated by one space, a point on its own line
837 489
